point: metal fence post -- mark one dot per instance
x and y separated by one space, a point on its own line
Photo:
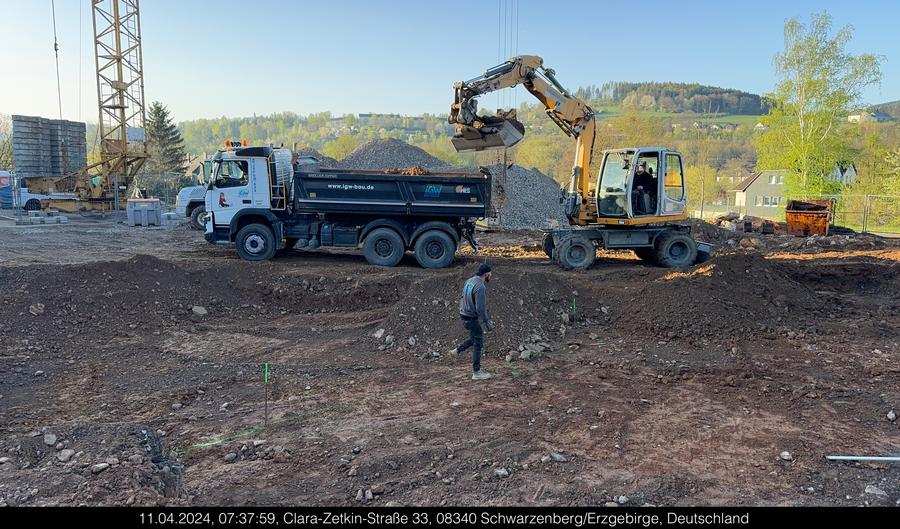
866 214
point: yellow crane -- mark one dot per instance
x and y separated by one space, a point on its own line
103 185
637 195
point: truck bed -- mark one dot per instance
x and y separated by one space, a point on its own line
445 194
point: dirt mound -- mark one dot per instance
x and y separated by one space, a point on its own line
729 298
706 232
326 162
390 153
526 198
527 308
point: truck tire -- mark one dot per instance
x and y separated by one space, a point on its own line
435 249
548 244
648 255
198 217
575 252
384 247
32 204
674 249
255 242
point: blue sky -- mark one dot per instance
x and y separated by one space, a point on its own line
237 58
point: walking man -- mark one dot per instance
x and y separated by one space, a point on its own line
473 311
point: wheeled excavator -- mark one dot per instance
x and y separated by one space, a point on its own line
638 195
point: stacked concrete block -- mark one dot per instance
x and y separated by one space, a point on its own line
48 147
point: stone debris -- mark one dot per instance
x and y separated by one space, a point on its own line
390 153
526 198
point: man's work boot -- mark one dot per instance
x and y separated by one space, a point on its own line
480 375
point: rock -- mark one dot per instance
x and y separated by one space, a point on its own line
610 504
872 489
389 339
136 459
622 500
354 470
199 311
891 416
37 309
546 459
559 458
786 456
230 457
378 334
65 455
38 373
509 358
525 355
49 439
360 495
565 317
99 467
501 473
60 445
4 460
258 442
411 341
369 495
112 461
177 406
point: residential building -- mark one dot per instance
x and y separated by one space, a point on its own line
870 117
761 195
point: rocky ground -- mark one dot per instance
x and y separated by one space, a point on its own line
132 366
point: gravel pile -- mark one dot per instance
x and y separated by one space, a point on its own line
326 162
390 153
526 199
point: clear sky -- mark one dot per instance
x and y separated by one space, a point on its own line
237 58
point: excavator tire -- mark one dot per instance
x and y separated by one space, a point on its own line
674 249
575 252
548 244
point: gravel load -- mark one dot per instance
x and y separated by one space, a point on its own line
526 198
390 153
326 162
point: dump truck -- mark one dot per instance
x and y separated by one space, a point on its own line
263 199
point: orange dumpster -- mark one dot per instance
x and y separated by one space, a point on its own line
808 217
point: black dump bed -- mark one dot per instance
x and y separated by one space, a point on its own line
445 194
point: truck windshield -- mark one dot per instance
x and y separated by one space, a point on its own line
612 185
231 173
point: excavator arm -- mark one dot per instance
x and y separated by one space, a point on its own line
570 113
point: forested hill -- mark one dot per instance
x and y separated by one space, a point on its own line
892 108
677 97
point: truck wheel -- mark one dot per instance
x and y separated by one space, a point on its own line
575 252
548 244
255 242
675 249
32 204
198 218
435 249
647 255
384 247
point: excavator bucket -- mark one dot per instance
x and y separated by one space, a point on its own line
501 134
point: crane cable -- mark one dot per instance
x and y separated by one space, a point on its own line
56 52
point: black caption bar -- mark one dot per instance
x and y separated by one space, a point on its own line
520 517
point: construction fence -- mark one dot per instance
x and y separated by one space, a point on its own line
876 214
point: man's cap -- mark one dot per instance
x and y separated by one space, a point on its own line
483 269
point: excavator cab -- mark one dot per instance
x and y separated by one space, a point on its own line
642 185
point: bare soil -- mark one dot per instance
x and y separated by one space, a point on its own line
669 387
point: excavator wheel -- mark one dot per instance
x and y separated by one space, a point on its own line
548 244
674 249
575 252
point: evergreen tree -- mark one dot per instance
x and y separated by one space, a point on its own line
164 142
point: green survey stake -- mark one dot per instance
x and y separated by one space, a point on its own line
266 376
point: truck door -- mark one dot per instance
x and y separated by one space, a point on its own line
230 190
